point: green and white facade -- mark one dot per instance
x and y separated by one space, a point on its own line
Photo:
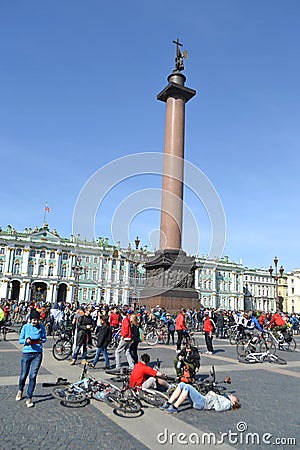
39 264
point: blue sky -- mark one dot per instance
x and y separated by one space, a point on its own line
78 86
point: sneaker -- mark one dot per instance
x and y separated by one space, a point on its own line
72 363
171 410
92 366
29 403
19 396
84 361
209 353
165 406
106 368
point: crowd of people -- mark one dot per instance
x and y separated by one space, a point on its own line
41 319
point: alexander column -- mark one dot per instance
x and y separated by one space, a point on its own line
170 274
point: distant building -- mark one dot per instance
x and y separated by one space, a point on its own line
40 265
219 283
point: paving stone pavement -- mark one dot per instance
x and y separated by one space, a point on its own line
268 393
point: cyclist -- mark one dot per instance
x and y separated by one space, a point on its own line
84 330
189 356
171 327
103 339
203 402
144 376
277 323
125 341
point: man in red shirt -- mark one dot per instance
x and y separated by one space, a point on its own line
144 376
114 318
180 327
125 341
277 323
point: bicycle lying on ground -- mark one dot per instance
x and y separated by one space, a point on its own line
78 394
260 357
128 400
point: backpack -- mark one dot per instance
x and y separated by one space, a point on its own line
186 376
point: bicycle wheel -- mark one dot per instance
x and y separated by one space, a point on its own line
290 346
274 359
267 345
62 349
123 404
152 338
233 339
242 348
248 359
164 337
69 395
154 398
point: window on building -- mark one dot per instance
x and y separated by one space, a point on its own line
51 271
16 268
87 259
93 295
65 256
95 274
41 269
1 267
18 252
85 294
64 271
293 290
32 253
52 255
2 251
42 254
96 260
30 269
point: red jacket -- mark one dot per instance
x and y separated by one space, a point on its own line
207 325
276 320
126 332
114 320
180 322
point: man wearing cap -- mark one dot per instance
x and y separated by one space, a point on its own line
33 336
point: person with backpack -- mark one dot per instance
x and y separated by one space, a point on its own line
135 328
171 328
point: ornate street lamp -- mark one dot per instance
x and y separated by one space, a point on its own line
78 270
276 276
135 257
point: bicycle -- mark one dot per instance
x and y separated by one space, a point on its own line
150 396
260 357
188 339
115 339
78 394
283 341
62 349
154 336
254 344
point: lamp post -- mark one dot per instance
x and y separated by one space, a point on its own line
78 270
135 257
276 276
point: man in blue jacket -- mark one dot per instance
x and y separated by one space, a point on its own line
33 336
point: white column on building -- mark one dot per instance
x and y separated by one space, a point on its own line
69 296
118 274
107 295
125 296
109 270
24 269
100 269
56 269
8 260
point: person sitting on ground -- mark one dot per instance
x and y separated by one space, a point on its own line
144 376
203 402
189 356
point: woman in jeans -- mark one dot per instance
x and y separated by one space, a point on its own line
203 402
33 336
103 339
